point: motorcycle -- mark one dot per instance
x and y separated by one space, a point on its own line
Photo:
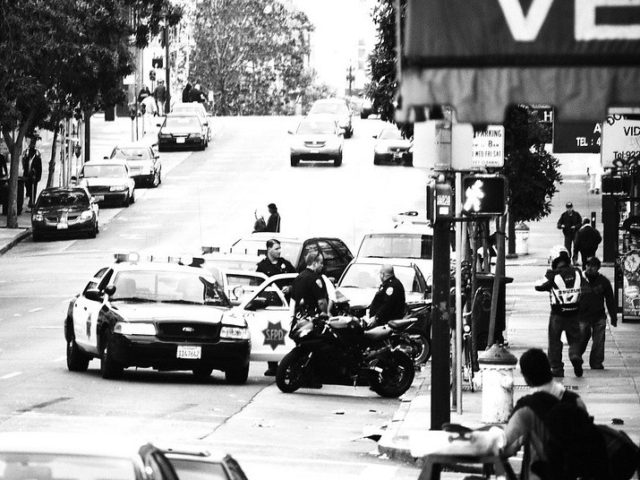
340 351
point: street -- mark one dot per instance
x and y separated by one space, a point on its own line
206 198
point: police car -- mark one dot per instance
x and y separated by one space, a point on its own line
167 314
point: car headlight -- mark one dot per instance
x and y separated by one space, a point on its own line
195 135
38 217
86 215
118 188
380 149
235 333
135 328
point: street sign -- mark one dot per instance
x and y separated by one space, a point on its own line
620 142
484 195
488 147
577 137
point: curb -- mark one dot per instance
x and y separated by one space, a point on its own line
17 239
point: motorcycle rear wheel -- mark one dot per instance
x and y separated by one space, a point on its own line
292 370
395 375
419 347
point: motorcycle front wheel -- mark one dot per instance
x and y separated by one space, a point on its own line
292 370
392 374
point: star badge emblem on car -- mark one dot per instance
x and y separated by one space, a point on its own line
274 335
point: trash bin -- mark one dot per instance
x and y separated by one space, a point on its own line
496 366
522 239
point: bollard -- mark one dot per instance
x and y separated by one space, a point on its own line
497 366
522 238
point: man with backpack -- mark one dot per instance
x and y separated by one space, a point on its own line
564 284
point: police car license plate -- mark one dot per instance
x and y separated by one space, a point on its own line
188 351
180 140
62 226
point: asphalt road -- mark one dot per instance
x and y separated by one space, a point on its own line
206 197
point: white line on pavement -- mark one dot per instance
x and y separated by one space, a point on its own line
46 327
34 310
59 359
10 375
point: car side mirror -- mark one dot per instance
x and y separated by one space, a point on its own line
206 124
110 290
93 294
290 132
258 303
374 136
105 158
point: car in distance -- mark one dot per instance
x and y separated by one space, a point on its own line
191 462
166 315
108 181
318 137
144 164
53 456
182 131
392 147
64 211
337 108
196 108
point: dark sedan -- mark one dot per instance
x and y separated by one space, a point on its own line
144 164
180 131
64 211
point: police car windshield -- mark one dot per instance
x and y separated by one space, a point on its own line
54 199
365 275
49 466
397 245
111 171
167 287
131 153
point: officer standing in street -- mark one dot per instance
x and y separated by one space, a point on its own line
597 293
389 302
274 264
308 291
569 222
564 284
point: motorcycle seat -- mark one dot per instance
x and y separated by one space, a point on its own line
341 322
376 333
400 323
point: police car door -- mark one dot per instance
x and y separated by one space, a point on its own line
85 314
267 314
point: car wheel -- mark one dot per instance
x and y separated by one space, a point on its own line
237 376
132 197
294 161
338 160
94 231
376 160
109 368
77 360
37 237
202 372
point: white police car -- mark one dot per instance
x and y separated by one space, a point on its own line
166 315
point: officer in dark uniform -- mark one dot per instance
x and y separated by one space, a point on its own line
308 290
274 264
389 302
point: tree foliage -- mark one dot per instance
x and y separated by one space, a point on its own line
251 53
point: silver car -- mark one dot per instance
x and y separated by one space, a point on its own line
338 109
318 137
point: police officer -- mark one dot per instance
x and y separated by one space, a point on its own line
274 264
308 291
389 301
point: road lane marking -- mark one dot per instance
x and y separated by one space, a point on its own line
10 375
59 359
45 327
34 310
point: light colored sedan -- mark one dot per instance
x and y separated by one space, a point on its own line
318 137
392 147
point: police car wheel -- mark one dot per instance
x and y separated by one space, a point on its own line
294 162
109 368
77 361
338 161
202 372
237 376
376 160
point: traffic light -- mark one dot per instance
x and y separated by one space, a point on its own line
157 62
484 195
152 75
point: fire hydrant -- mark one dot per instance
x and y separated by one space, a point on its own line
522 238
497 366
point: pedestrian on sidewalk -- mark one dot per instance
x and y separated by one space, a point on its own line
564 283
160 97
32 169
596 293
569 223
185 93
273 222
587 240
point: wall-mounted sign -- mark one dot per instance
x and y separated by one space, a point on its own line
577 137
620 142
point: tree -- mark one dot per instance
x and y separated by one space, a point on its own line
252 54
531 170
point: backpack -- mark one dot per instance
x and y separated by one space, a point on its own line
623 455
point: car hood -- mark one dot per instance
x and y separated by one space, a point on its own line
362 297
145 312
105 181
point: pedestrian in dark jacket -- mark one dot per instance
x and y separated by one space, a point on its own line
273 222
564 284
160 96
32 170
596 293
186 92
196 95
569 222
144 93
587 240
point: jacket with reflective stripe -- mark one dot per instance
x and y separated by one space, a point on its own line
564 286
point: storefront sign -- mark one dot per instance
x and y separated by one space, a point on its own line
577 137
620 142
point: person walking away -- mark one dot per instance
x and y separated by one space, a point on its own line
595 172
569 223
144 93
273 222
32 170
196 95
564 283
597 292
273 264
160 96
587 240
389 301
185 93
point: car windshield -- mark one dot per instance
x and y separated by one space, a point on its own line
390 133
316 127
330 108
189 109
290 250
397 245
168 286
182 122
131 153
94 171
365 275
49 466
63 199
198 470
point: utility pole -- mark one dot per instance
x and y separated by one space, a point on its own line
167 105
350 78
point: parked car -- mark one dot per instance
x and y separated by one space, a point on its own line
317 137
109 181
144 163
166 315
392 147
182 131
337 108
192 108
64 211
192 462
